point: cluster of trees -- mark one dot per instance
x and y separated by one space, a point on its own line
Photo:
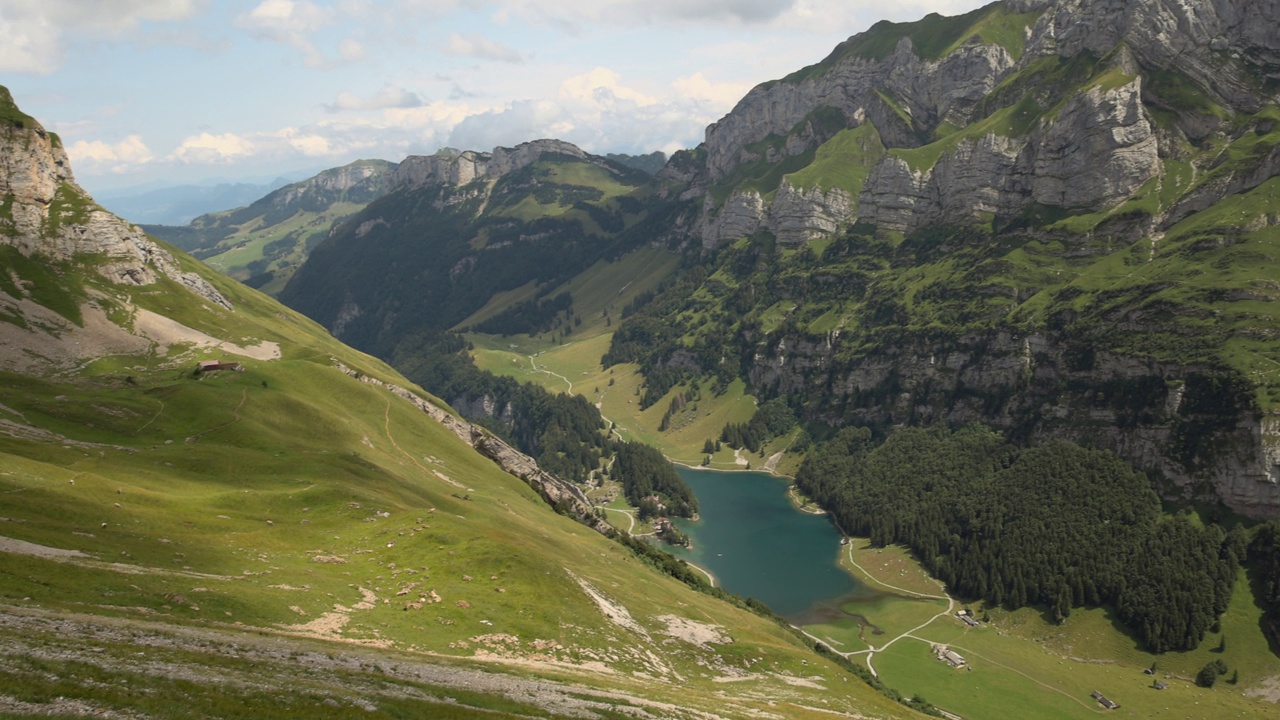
1056 525
1264 553
1208 674
679 401
772 419
645 473
531 316
564 433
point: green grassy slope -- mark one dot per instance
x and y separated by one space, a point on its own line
296 506
266 241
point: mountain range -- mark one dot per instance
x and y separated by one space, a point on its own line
1049 217
998 288
194 472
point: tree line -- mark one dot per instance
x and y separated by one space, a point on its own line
1057 526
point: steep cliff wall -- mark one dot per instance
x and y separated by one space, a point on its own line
1182 424
46 213
980 122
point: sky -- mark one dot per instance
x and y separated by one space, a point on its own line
147 93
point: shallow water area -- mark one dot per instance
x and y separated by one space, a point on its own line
756 544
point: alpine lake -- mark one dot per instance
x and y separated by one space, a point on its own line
756 544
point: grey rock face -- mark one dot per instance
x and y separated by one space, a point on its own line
740 216
450 167
800 215
1244 472
34 172
1098 151
372 176
1088 155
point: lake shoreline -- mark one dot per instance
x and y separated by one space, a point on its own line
762 471
757 542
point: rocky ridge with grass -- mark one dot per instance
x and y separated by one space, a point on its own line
1088 153
46 212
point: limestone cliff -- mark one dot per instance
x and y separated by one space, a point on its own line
453 167
44 212
993 123
1021 383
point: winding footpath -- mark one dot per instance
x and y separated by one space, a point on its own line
871 651
534 364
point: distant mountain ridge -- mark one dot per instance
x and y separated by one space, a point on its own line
263 242
458 227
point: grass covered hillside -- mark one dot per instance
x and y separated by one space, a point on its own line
291 535
498 247
264 243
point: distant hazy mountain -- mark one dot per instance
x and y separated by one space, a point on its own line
650 163
180 204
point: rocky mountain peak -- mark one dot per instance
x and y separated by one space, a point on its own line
1018 104
43 211
456 168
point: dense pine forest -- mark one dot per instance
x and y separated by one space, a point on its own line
1055 526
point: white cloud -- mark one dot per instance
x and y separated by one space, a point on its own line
309 144
291 22
32 31
99 156
698 88
390 96
208 149
599 112
482 48
599 88
350 50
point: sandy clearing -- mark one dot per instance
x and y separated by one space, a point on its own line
701 634
616 613
167 332
22 547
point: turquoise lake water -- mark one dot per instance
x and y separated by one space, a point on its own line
758 545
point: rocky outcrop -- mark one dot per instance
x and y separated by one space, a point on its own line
454 168
1097 151
560 494
48 214
738 217
1227 46
1087 155
1025 385
359 181
798 215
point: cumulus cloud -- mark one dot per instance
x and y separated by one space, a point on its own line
291 22
698 88
598 111
319 141
99 156
482 48
208 149
390 96
32 32
601 87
